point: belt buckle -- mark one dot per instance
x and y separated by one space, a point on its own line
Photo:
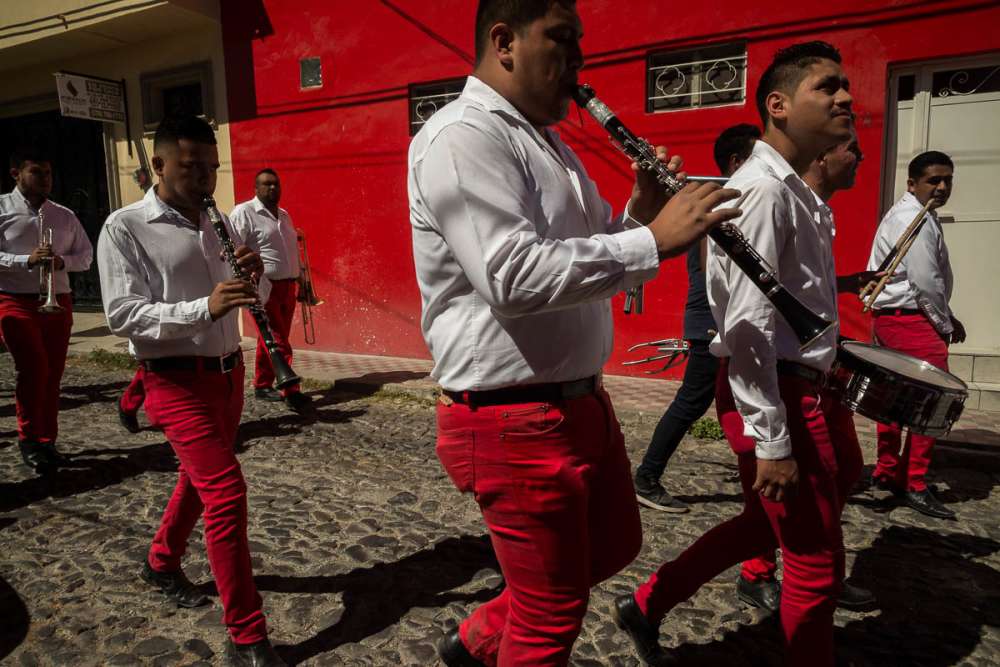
222 364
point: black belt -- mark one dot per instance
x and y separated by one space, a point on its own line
530 393
897 311
796 369
23 295
210 364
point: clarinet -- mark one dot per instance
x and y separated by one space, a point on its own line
284 376
806 324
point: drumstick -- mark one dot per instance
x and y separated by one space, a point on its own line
893 258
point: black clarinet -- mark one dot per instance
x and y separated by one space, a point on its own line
806 324
284 376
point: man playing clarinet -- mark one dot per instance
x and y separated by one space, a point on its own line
166 287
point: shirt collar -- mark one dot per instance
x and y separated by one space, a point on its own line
24 201
491 100
260 207
773 159
155 208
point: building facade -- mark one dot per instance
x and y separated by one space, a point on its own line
329 94
170 57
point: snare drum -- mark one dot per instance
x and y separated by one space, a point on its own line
894 388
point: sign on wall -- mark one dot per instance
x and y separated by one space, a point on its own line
90 97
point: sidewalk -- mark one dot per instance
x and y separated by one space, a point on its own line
978 429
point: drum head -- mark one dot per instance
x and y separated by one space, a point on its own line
905 365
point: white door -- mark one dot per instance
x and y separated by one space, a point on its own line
954 107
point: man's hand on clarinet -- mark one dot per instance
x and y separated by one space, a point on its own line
648 194
689 215
230 294
249 261
776 479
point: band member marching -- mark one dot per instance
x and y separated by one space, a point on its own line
516 266
697 390
271 228
40 243
803 454
167 289
912 315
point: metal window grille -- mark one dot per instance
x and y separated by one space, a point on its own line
966 81
695 78
427 98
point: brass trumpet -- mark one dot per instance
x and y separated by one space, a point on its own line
47 270
307 297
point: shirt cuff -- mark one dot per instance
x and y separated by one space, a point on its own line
638 254
774 449
21 261
201 310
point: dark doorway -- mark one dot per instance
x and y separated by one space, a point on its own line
80 177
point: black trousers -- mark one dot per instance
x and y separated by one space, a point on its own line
691 402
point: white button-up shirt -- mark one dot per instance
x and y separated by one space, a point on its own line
793 231
157 272
516 253
19 236
276 237
923 279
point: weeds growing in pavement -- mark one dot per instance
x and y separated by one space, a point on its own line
707 428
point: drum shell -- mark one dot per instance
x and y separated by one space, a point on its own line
889 397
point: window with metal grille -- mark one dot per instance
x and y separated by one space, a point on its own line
427 98
695 78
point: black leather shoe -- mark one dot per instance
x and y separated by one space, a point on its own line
128 421
299 402
644 635
41 457
258 654
175 586
925 503
453 653
763 593
267 394
855 598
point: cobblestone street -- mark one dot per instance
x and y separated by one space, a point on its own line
365 553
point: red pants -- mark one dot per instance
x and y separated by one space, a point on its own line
280 310
134 394
555 488
913 335
199 413
38 343
764 565
805 526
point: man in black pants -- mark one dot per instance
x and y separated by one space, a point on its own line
698 388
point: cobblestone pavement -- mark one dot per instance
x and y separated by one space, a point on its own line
365 553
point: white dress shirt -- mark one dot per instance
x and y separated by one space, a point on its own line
19 236
793 231
923 279
276 237
157 272
516 253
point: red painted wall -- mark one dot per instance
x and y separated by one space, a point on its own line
341 149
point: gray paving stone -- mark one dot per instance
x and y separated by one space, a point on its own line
364 553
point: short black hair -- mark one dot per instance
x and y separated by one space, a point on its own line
788 68
515 13
735 140
919 164
174 128
265 170
22 154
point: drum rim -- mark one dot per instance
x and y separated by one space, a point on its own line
848 344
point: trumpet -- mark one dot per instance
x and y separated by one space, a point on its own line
895 255
47 270
307 297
